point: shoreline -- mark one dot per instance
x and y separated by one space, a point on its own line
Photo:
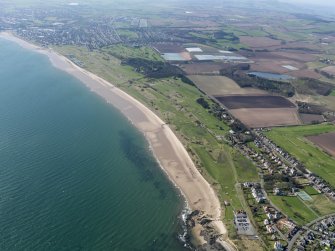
164 144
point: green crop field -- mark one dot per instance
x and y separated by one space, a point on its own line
293 140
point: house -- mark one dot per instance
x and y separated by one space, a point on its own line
288 224
258 195
266 222
277 191
266 209
295 189
270 229
277 215
292 172
278 246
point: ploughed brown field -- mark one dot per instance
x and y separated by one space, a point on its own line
306 73
256 101
196 68
168 48
257 111
325 141
267 117
300 47
274 61
296 55
329 69
310 118
258 42
220 86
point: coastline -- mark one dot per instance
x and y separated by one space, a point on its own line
165 146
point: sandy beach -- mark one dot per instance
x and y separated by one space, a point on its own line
166 147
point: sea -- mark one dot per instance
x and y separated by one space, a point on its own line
74 173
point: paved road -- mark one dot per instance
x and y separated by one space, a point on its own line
304 228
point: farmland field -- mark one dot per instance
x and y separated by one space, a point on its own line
296 55
168 48
305 73
256 42
203 67
260 101
310 118
220 85
267 117
325 141
276 60
268 65
293 140
329 70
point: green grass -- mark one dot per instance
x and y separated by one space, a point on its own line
294 208
310 190
246 169
124 52
321 204
201 35
332 93
100 63
225 180
256 33
131 35
293 140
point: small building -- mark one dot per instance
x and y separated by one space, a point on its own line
278 246
270 229
276 191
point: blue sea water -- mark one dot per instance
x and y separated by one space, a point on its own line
74 173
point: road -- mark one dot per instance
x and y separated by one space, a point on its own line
304 228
